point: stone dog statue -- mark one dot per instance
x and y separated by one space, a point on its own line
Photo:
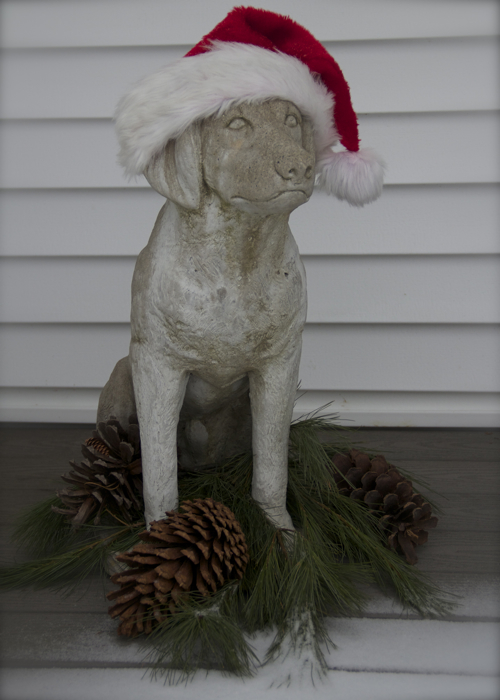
219 292
219 303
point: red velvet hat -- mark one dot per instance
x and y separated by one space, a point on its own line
253 55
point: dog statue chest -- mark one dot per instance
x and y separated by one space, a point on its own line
221 299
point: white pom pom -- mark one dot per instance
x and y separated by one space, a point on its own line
356 176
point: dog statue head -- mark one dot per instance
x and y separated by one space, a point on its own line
256 157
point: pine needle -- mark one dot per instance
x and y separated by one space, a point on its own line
304 638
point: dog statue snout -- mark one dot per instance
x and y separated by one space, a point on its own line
296 168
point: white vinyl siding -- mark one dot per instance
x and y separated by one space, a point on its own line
404 294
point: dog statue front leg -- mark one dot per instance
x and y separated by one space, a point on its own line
272 395
159 392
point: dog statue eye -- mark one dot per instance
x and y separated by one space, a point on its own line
237 123
291 120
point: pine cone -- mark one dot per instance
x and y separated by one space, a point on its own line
108 478
408 526
196 551
404 513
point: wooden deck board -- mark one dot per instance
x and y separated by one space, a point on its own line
479 598
131 683
89 639
471 444
459 511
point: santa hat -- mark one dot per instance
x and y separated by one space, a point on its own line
253 56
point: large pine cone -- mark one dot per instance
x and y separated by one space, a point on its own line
196 551
405 514
108 478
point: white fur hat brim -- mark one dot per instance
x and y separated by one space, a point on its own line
162 105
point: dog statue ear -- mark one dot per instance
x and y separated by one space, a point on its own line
176 172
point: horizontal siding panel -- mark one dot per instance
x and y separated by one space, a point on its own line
424 148
77 222
353 408
401 358
403 409
60 356
408 220
123 22
357 289
60 154
344 357
68 405
77 83
65 290
403 290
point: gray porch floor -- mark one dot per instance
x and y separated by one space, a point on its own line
56 648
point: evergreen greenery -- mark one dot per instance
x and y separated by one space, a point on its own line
203 634
293 580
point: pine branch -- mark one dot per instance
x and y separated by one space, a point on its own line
201 635
39 530
64 570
